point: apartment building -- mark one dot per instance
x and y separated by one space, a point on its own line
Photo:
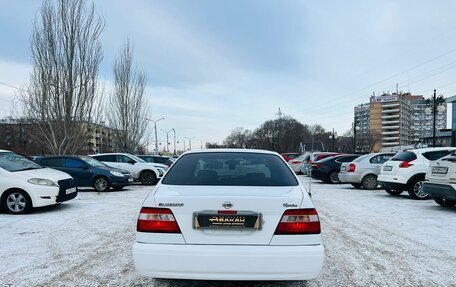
390 120
363 140
22 136
422 122
395 120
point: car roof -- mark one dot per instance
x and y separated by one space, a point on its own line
111 153
52 156
423 150
232 150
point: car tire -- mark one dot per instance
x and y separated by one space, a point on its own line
16 202
357 185
334 177
415 189
445 202
148 178
394 192
370 182
101 184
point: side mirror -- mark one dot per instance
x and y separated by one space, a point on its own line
131 161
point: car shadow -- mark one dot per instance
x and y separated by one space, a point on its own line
201 283
51 208
92 190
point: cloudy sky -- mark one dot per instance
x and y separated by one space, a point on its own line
216 65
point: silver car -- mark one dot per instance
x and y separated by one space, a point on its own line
363 171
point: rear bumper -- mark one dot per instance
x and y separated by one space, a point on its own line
121 181
446 191
393 185
318 174
393 178
228 262
350 177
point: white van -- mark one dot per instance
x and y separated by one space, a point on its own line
25 184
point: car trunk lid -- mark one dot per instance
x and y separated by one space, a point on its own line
208 202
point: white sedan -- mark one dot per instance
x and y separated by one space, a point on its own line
25 184
227 214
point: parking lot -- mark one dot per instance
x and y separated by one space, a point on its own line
371 239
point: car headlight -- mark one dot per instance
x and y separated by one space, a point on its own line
160 171
116 173
42 181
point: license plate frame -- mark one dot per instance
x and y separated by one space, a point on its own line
343 168
242 220
387 168
439 170
71 190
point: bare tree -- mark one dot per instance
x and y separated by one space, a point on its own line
127 108
62 94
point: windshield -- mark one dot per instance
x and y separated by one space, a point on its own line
362 157
240 169
136 158
14 162
404 156
91 161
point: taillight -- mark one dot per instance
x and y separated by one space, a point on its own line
296 162
299 221
405 164
309 161
351 167
157 220
316 165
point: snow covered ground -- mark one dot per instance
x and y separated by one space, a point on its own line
371 239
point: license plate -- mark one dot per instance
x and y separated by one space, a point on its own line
214 220
70 190
440 170
387 168
343 168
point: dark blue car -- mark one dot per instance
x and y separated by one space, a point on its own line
88 172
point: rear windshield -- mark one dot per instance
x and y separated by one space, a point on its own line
435 155
361 158
231 169
404 156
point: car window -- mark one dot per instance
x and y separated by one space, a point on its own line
147 158
73 163
106 158
53 162
380 159
346 158
435 155
160 160
362 158
404 156
92 161
123 158
14 162
231 169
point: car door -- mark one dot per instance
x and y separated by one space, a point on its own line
79 170
377 162
124 162
53 162
109 159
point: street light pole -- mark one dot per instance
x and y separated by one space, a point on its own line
434 112
167 138
155 128
333 137
174 141
190 142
